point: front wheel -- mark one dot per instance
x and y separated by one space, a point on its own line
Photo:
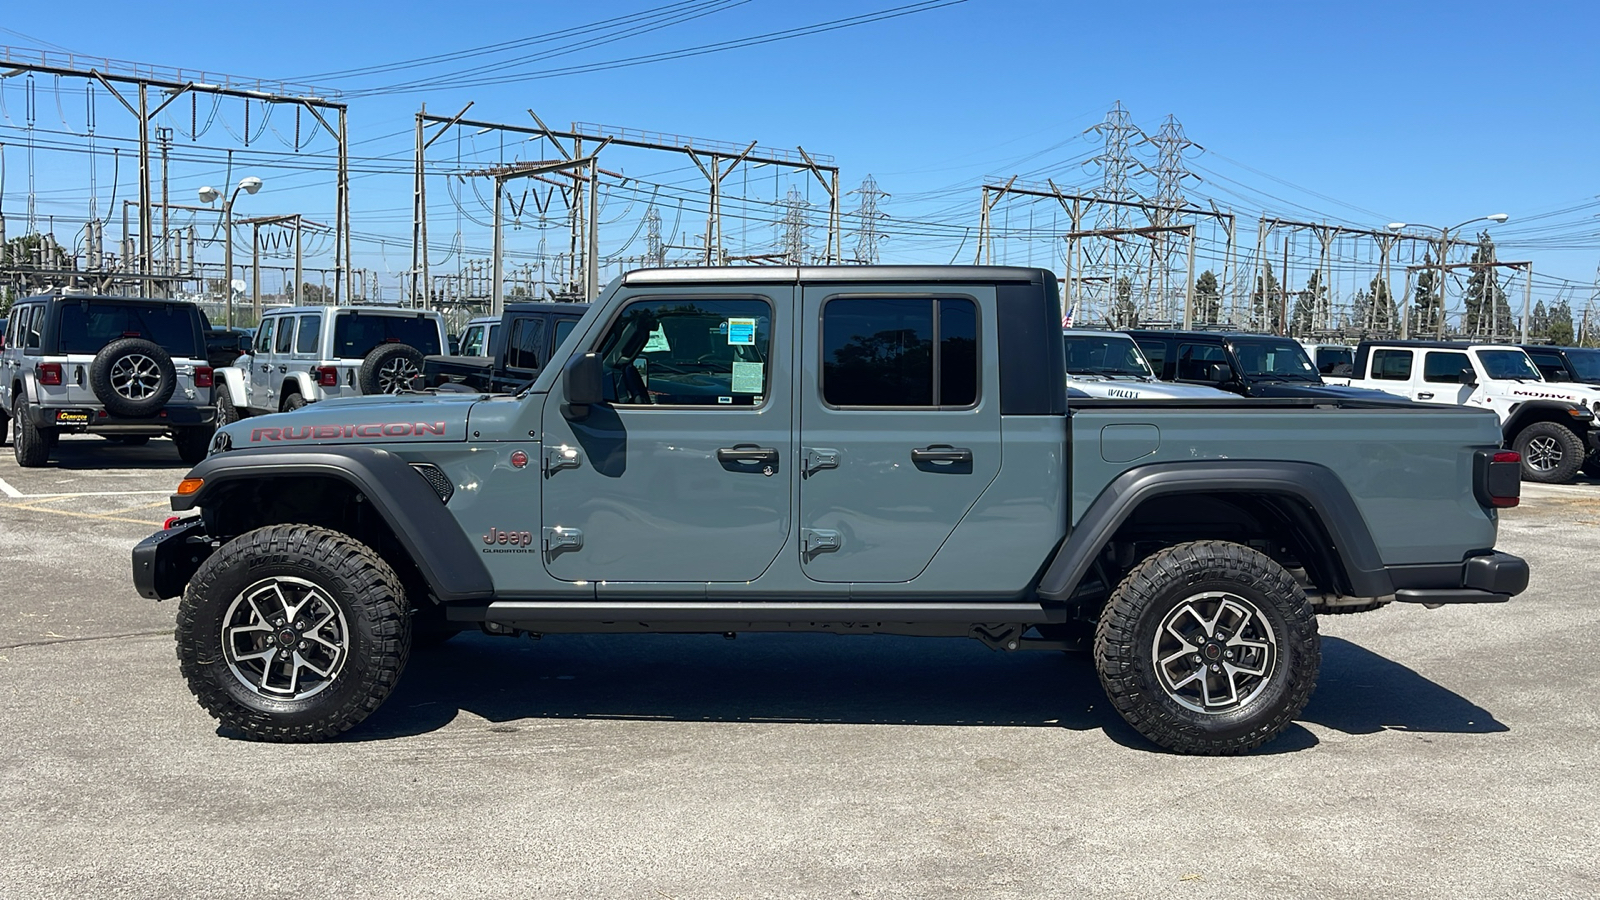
1551 454
293 633
1208 648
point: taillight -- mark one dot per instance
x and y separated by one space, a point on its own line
49 373
1500 481
327 376
202 376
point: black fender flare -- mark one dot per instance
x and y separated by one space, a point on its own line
429 533
1558 411
1314 486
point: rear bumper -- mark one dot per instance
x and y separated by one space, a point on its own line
1492 577
95 419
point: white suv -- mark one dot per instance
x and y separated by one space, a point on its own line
1552 425
312 353
124 368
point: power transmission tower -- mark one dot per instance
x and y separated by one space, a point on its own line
1116 164
655 253
867 236
794 228
1170 173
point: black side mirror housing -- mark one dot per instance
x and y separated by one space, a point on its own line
582 381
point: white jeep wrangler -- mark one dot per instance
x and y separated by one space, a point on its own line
1552 425
310 353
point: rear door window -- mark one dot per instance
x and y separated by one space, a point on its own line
1203 363
1391 365
1444 367
1549 365
1156 353
525 347
900 352
310 330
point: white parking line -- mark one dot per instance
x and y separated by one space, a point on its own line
14 494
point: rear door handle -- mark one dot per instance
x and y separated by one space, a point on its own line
938 453
748 453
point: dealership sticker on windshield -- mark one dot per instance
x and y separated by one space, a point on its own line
742 331
747 377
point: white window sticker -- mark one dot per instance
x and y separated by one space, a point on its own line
747 377
658 342
742 331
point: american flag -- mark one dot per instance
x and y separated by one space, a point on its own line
1066 320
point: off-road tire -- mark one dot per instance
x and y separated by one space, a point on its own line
293 401
1126 642
31 445
194 442
351 576
1551 453
389 368
227 413
133 377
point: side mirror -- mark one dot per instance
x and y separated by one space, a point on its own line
1468 378
582 381
246 345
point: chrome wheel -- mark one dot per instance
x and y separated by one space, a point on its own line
135 376
1543 453
285 638
1214 652
396 375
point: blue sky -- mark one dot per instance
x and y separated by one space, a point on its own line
1362 113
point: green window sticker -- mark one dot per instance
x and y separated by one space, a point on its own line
747 377
658 342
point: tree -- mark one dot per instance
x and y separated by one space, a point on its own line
1559 328
1487 310
1427 303
1123 315
1266 302
1207 298
1539 322
315 294
1375 306
1307 302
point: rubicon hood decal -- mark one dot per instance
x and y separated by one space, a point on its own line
370 431
355 423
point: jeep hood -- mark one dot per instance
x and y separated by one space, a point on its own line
406 418
1145 390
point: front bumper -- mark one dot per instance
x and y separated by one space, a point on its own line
1492 577
96 420
164 562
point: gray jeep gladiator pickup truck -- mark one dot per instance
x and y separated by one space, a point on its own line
846 450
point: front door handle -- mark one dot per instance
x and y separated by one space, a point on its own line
1424 396
941 453
748 453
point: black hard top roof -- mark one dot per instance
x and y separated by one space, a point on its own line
1196 335
76 296
523 306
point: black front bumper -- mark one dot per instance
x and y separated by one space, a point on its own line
1492 577
96 420
164 562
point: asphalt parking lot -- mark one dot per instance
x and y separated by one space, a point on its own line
1446 752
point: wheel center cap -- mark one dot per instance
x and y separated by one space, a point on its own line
287 637
1212 652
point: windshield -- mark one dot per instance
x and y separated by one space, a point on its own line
1508 364
1586 363
1274 360
87 327
1330 357
355 334
1104 354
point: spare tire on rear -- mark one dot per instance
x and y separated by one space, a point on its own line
133 377
389 368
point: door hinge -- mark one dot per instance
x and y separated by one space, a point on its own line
562 457
817 458
820 540
557 539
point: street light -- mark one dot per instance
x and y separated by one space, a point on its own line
1444 247
208 194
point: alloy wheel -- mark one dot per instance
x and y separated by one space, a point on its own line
285 638
1214 652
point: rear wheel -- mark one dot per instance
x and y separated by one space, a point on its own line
1551 454
32 444
193 442
1208 648
293 633
227 413
293 401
